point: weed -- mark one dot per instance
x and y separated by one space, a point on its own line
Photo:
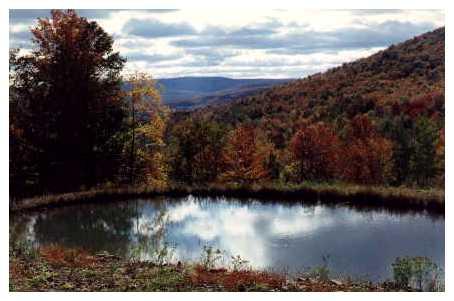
164 254
239 264
210 257
159 255
419 272
322 272
165 279
134 254
24 248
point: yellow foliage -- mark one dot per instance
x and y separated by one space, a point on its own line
147 137
245 156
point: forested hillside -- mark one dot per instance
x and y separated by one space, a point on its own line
73 126
394 99
406 77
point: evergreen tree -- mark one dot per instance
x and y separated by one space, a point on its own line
423 165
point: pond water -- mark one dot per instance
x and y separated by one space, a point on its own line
279 236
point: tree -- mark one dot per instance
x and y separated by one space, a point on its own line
366 156
144 146
196 150
399 129
21 166
67 102
314 147
245 156
440 158
423 164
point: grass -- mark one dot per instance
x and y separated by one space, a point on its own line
60 269
337 193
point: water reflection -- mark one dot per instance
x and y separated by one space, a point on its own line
268 235
93 228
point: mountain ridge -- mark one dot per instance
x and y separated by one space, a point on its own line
391 79
193 92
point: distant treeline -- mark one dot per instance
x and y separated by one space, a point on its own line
73 128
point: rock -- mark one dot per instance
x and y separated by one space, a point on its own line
336 282
313 281
302 287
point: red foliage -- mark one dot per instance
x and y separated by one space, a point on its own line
61 256
366 157
377 85
361 127
429 104
235 280
315 148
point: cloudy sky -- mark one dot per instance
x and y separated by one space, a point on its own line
244 44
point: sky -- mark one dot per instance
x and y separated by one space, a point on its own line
243 44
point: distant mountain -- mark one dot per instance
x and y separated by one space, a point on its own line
196 92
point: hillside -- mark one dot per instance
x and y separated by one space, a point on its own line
194 92
407 78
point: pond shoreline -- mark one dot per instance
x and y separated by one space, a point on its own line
60 269
398 198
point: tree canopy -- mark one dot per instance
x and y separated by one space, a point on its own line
65 105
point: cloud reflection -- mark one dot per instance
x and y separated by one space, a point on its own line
247 230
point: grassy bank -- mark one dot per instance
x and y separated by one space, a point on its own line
353 195
58 269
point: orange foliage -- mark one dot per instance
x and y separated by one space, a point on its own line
235 280
245 156
315 148
61 256
377 84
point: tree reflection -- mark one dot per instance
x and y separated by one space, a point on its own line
19 230
92 227
150 233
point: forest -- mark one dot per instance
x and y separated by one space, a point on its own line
376 121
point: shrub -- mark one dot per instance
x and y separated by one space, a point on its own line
418 272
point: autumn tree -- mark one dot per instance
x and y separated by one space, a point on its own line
314 148
66 103
366 157
144 160
196 149
245 156
440 157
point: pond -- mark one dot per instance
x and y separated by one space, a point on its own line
284 237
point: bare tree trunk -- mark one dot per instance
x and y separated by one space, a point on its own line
133 143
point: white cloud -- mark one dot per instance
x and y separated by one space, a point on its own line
246 43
